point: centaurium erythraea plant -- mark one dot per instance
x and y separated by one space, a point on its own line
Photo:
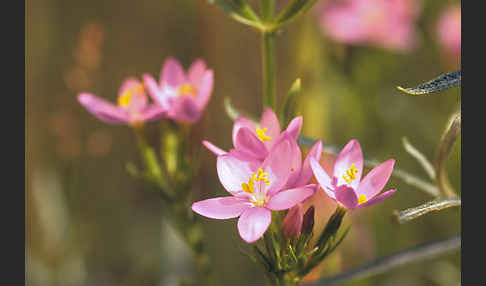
345 185
183 95
256 189
132 108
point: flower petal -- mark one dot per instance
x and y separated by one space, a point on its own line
247 143
286 199
322 177
196 72
306 171
346 196
138 99
234 170
253 223
349 155
292 223
103 109
241 122
153 112
270 121
213 148
184 110
278 165
376 179
295 126
221 208
377 199
205 89
295 161
172 73
154 91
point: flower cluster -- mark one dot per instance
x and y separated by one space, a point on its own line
178 96
264 172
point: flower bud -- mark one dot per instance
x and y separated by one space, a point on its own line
292 222
308 221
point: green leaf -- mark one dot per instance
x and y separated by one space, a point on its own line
435 205
442 82
289 107
234 113
293 9
447 140
414 152
238 10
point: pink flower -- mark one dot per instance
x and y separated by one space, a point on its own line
256 140
132 105
345 186
256 189
385 23
449 30
184 96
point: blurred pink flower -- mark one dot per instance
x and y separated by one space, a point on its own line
257 188
449 30
345 185
256 140
385 23
184 96
132 107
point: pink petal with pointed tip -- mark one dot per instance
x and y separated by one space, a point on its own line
377 199
172 73
249 144
350 154
306 171
213 148
322 177
154 91
234 170
292 223
103 109
253 223
221 208
185 110
153 112
346 196
295 163
205 89
278 165
376 179
241 122
286 199
270 121
196 71
294 127
127 84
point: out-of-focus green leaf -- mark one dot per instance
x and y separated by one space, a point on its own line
293 9
289 107
442 82
238 10
234 113
447 140
435 205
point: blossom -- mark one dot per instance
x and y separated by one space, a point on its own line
184 96
384 23
132 105
256 189
449 30
345 186
256 140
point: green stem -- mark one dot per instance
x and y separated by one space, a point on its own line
269 70
268 7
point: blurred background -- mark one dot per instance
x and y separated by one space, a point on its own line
88 222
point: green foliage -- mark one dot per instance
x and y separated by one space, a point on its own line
439 83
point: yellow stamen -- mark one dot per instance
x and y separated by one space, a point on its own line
126 98
259 176
362 199
187 89
261 134
351 174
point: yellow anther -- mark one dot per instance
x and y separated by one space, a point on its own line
187 89
126 97
362 199
261 134
259 176
351 174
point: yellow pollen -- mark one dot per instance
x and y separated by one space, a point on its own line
261 134
259 176
126 97
292 169
351 174
362 199
187 89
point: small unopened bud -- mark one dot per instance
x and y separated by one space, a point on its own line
308 221
292 222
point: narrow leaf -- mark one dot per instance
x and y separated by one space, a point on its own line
439 83
428 167
238 10
289 107
447 140
435 205
294 9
